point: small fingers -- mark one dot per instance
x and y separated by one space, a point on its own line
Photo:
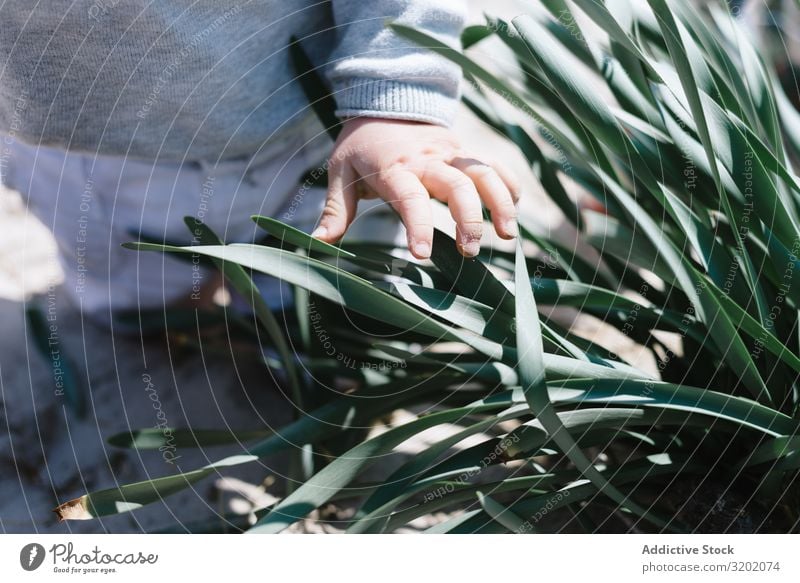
340 205
453 187
494 192
407 195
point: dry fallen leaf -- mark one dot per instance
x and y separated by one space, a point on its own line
73 510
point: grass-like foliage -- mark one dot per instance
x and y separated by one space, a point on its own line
670 119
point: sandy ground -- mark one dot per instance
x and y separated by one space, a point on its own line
48 456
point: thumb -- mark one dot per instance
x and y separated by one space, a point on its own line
340 205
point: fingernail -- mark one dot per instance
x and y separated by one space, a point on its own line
422 249
471 248
319 232
510 227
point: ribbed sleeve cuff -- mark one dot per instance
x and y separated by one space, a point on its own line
390 99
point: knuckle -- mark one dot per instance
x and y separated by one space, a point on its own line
513 185
333 208
339 155
388 176
335 166
409 205
472 223
413 197
460 184
413 216
507 208
405 199
483 172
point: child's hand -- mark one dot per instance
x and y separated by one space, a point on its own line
406 163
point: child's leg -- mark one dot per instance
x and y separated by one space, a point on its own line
93 204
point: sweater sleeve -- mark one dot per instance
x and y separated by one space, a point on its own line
376 73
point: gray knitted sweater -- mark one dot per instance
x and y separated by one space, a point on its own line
210 79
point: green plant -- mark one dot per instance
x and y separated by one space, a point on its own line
691 154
